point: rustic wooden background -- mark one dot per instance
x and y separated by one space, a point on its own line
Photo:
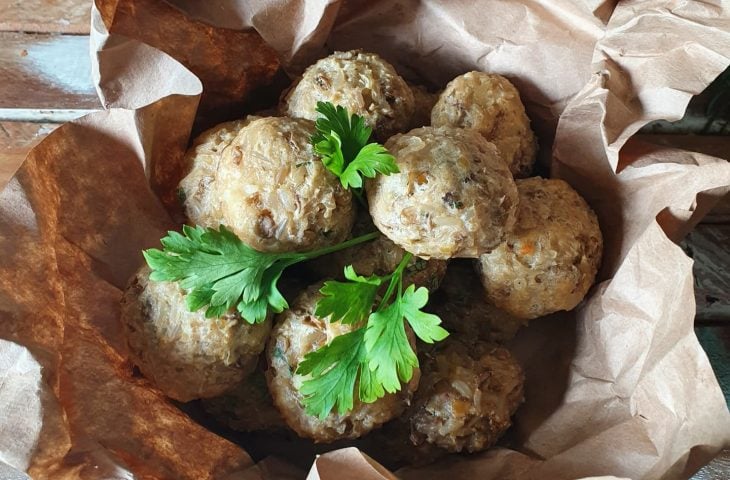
45 80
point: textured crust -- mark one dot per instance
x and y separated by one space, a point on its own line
467 396
247 407
298 332
202 160
453 197
185 354
361 82
424 102
550 260
275 194
463 307
491 105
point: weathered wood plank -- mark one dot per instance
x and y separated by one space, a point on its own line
46 72
45 16
718 469
708 246
16 139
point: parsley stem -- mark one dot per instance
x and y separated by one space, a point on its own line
395 279
340 246
357 192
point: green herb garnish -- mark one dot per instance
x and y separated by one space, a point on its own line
378 355
341 141
220 272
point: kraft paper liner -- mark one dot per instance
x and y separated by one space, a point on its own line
618 387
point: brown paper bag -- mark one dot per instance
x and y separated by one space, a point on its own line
618 387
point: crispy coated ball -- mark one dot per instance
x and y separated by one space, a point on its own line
467 396
247 407
185 354
424 102
550 259
462 305
297 332
363 83
491 105
202 161
275 194
453 197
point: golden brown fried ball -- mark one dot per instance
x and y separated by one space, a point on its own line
247 407
453 197
186 355
550 259
466 397
491 105
202 160
274 193
297 332
363 83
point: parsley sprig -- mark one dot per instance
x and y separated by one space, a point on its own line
220 272
377 356
341 141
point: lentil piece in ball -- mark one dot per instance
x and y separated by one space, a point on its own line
361 82
467 396
186 355
275 194
550 259
491 105
297 332
453 196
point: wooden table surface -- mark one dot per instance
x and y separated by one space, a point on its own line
45 80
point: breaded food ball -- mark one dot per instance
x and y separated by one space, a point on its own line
465 311
491 105
550 259
424 102
247 407
297 332
186 355
363 83
466 397
453 197
275 194
201 159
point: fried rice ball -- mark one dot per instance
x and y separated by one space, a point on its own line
361 82
453 196
424 102
297 332
186 355
247 407
466 397
202 159
491 105
274 193
466 313
550 259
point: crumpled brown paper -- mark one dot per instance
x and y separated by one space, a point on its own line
619 387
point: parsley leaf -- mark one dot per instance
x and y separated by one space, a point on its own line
220 272
391 357
377 356
341 141
348 302
425 325
334 369
371 160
